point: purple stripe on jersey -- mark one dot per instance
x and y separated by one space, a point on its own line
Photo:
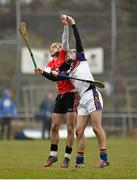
81 56
96 99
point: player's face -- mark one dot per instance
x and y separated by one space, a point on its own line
55 49
71 55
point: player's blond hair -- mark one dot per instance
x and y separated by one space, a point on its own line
55 44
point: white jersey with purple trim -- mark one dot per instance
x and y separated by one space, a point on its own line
82 71
90 100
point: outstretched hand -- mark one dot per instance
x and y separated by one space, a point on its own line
63 19
70 20
38 71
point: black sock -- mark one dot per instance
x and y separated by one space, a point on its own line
68 150
53 147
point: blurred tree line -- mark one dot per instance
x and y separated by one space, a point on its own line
94 21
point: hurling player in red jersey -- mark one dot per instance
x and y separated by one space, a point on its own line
66 101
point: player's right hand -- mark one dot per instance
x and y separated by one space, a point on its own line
63 19
38 71
55 73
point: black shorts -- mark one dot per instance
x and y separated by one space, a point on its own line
66 102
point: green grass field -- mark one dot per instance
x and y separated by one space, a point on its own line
24 159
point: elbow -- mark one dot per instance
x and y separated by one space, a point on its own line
65 46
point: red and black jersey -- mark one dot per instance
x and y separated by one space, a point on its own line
54 64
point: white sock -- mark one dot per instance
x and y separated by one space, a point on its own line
53 153
67 155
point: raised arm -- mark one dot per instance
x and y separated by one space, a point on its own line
65 35
79 46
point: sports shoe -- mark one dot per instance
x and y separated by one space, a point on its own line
81 165
50 161
65 163
102 164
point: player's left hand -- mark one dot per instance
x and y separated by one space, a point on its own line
70 20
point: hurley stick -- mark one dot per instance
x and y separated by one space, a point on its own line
23 32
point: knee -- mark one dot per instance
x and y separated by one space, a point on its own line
79 133
96 129
70 130
54 128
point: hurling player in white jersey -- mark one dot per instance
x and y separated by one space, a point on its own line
91 103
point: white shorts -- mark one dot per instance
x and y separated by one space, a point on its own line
89 102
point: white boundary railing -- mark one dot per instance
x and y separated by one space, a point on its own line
112 122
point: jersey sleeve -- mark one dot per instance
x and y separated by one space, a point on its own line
51 77
65 37
79 47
